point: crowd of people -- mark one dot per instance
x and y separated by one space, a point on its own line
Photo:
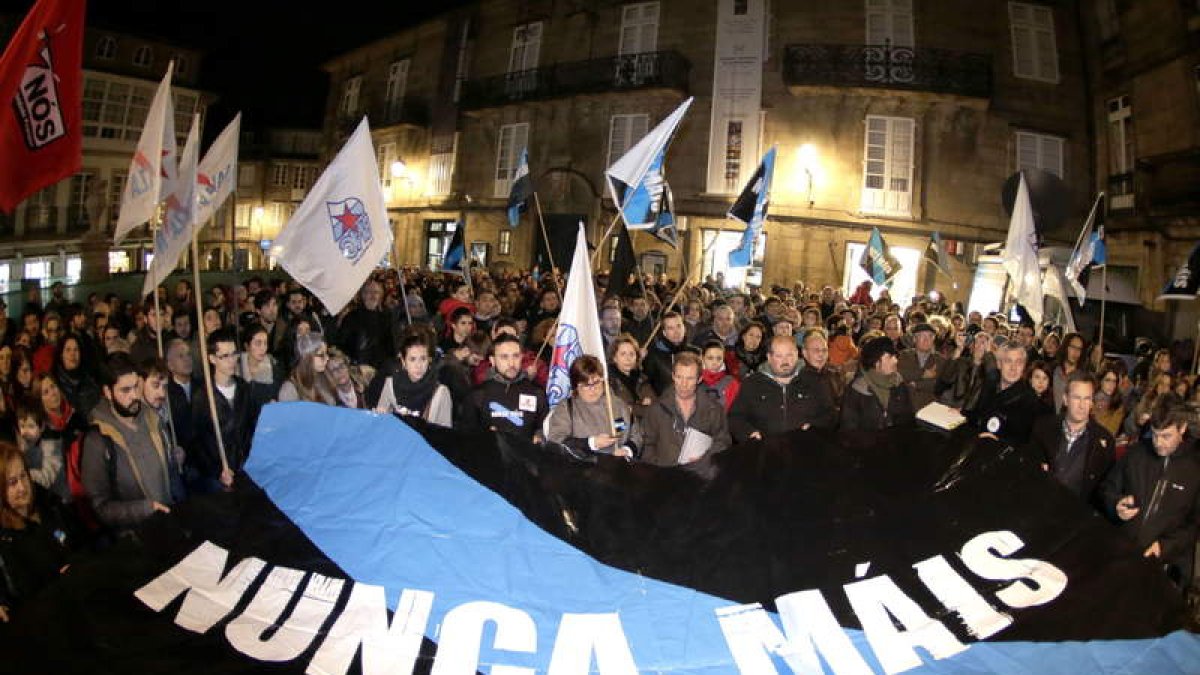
99 433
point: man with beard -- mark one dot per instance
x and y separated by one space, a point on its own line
639 323
508 401
778 398
661 354
128 471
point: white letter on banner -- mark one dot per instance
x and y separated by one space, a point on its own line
875 601
294 636
581 635
462 630
364 622
209 596
983 555
982 620
810 627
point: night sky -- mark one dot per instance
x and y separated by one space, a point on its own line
261 56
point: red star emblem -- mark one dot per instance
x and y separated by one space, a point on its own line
348 220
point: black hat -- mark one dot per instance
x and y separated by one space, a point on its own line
874 349
923 327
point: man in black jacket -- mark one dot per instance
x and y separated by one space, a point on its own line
1008 405
780 397
661 354
366 332
507 401
1154 492
1072 446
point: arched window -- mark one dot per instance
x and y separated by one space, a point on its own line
106 48
143 57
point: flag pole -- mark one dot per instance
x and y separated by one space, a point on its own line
682 286
404 297
604 237
208 382
154 225
537 203
1103 302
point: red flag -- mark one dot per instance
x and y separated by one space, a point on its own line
41 101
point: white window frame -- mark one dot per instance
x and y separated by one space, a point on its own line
143 56
279 175
350 93
397 83
106 48
1121 151
509 143
385 154
889 22
639 29
888 160
623 132
1038 151
1034 46
526 46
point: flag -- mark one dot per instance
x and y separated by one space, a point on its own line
145 180
455 257
341 231
522 189
927 549
578 330
1021 257
41 101
877 261
179 217
935 253
624 263
751 209
170 160
1090 251
1185 284
637 183
1054 285
217 173
664 221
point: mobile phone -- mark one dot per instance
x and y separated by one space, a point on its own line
619 424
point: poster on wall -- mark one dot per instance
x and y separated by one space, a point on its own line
737 93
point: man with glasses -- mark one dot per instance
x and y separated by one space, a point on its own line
1072 446
238 403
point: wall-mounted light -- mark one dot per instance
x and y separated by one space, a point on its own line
808 164
399 169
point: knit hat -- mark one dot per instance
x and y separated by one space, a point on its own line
874 349
308 343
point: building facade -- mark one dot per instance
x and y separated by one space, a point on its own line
898 114
65 231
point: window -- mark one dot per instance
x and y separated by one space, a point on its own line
438 234
639 28
1040 151
106 48
441 171
717 246
279 175
505 247
300 177
1035 54
396 83
623 132
733 155
247 174
37 269
118 262
889 22
888 166
115 110
1120 136
40 209
385 154
143 57
181 65
243 217
513 139
523 59
349 106
77 215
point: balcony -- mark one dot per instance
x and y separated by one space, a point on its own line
629 72
924 69
1121 192
407 111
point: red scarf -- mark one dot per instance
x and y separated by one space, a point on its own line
57 420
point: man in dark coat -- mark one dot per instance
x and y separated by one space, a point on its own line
366 332
1154 492
921 366
781 397
508 401
639 322
661 354
877 399
1008 405
678 412
1072 446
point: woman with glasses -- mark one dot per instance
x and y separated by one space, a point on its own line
581 423
414 390
308 381
346 380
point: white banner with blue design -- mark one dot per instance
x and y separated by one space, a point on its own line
578 324
173 237
144 184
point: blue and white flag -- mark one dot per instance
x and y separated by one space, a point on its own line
340 232
172 239
578 324
522 190
751 209
1021 256
1090 251
145 182
456 252
877 261
1185 283
637 182
217 173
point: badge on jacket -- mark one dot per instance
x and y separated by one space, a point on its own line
527 402
993 424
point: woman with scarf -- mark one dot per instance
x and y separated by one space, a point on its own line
716 378
308 381
625 378
749 352
346 381
877 400
256 363
75 382
414 390
581 423
63 420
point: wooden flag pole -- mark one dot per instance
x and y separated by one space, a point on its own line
684 284
604 237
537 203
1103 303
208 380
158 334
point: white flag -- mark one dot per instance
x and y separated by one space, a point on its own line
341 232
636 181
1054 285
217 173
179 217
143 187
578 325
170 159
1021 258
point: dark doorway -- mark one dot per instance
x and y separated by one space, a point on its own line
561 228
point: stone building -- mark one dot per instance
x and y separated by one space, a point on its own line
65 230
902 115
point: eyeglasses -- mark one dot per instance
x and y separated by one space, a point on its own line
591 384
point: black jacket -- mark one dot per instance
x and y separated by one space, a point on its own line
862 411
238 419
181 409
766 406
516 407
31 557
659 359
1098 446
366 336
1166 491
1007 413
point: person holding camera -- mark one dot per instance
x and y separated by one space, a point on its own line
580 422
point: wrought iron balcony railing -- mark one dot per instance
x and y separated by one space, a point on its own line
616 73
408 110
886 67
